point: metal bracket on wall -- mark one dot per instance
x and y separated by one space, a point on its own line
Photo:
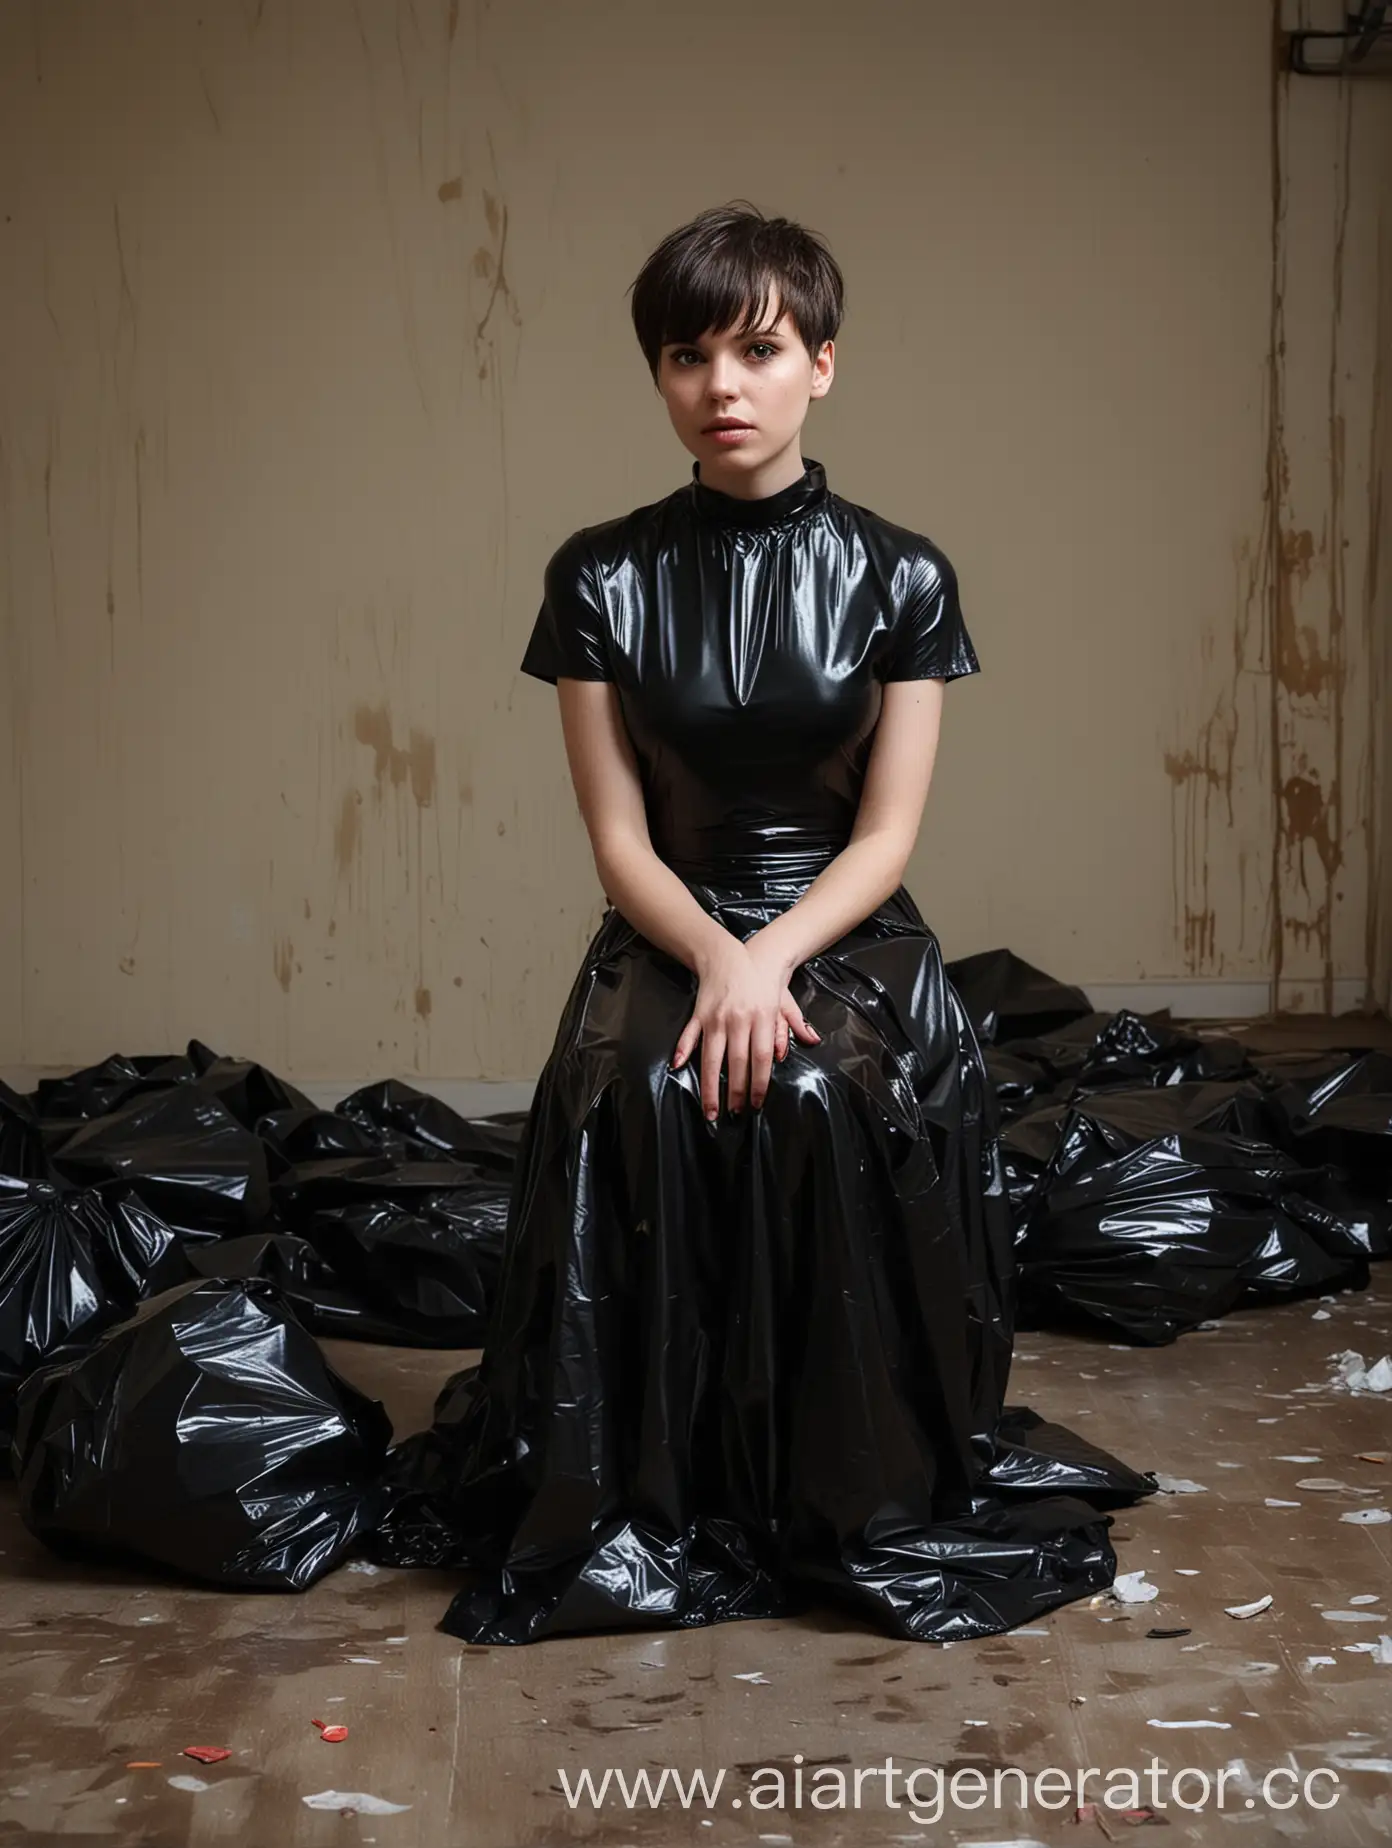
1362 49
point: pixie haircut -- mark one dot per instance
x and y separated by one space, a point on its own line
721 270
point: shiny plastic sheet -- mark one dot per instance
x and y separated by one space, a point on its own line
321 1301
247 1090
1148 1224
1006 998
1341 1118
22 1155
411 1123
201 1137
207 1434
72 1262
422 1239
184 1152
1159 1178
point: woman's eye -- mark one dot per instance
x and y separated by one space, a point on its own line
765 346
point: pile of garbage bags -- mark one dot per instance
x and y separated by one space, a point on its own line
176 1231
1159 1178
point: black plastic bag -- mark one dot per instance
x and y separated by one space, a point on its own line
419 1125
207 1434
1342 1117
246 1090
322 1301
1146 1218
22 1155
185 1153
1007 998
72 1262
420 1241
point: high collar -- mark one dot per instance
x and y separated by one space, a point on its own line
799 497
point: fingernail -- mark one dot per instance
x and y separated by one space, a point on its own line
710 1116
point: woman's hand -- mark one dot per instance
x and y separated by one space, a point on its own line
744 1013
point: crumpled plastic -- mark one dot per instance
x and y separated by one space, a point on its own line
1341 1117
1159 1178
72 1262
408 1122
320 1300
1148 1224
1007 998
406 1203
223 1151
246 1090
208 1434
420 1240
186 1155
21 1140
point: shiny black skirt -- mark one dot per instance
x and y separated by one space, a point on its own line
735 1368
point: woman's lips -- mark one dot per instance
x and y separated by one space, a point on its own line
729 438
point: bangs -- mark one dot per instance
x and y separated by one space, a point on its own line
714 290
724 269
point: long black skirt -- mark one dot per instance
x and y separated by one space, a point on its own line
738 1367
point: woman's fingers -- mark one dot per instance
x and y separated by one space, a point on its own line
737 1067
760 1062
712 1057
746 1052
691 1032
798 1021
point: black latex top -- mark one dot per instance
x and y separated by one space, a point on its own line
749 641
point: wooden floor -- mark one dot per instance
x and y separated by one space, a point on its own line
105 1669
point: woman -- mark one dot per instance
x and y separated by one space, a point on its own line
753 1326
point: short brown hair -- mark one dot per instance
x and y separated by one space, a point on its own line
722 268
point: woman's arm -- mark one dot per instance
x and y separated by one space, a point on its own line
639 885
871 865
742 1007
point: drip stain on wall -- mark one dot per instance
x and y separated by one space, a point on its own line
415 764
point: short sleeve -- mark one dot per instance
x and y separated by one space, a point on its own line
930 640
568 636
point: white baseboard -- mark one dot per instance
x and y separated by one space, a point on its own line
1224 1000
1219 1000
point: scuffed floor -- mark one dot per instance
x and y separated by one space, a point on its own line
106 1675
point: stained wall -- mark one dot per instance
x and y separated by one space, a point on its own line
313 344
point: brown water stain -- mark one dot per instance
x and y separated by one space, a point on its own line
347 832
283 961
493 263
415 763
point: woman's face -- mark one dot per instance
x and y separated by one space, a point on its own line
761 381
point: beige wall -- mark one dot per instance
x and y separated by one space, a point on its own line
313 343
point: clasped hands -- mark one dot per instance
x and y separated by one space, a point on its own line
744 1017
